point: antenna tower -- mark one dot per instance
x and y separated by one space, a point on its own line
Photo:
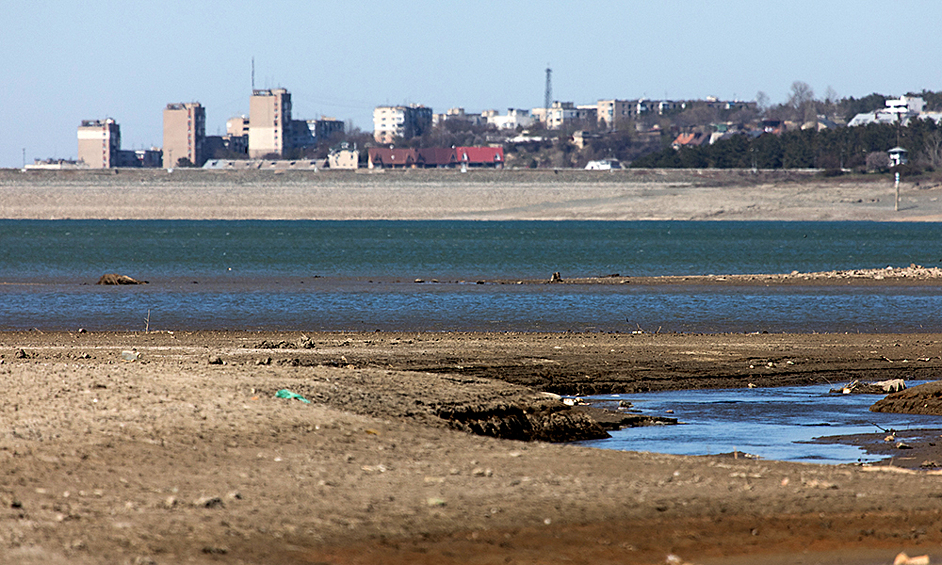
548 97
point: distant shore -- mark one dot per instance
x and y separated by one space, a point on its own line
450 195
912 275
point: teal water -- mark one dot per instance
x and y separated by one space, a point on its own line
355 275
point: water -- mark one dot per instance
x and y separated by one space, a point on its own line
773 423
356 275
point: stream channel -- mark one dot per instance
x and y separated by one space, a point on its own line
779 423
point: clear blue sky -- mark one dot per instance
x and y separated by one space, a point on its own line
64 61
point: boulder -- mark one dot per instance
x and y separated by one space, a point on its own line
116 279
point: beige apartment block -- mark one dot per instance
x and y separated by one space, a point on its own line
237 126
184 134
99 142
269 116
391 122
613 111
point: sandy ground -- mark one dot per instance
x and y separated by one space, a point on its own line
479 195
186 455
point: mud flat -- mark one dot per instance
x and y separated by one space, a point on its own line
175 447
477 195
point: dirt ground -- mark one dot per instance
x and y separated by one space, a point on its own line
634 194
167 448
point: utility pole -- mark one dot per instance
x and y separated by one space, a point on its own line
896 208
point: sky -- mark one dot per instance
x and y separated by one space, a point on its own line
64 61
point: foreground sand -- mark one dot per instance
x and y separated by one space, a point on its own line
185 454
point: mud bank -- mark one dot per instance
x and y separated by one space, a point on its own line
185 453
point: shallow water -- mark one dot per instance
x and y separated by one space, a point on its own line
772 423
355 275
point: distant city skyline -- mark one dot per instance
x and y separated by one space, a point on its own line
68 61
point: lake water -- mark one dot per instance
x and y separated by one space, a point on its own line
358 275
772 423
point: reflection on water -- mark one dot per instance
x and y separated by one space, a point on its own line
773 423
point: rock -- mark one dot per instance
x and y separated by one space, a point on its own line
903 559
208 502
20 354
215 360
116 279
556 278
130 355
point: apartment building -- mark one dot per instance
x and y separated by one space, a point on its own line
99 143
269 119
308 133
561 113
512 120
391 122
459 114
613 111
184 134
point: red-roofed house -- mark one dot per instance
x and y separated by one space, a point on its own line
436 157
384 158
690 140
481 156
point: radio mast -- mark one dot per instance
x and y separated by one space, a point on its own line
548 97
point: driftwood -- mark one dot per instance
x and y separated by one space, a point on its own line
112 278
881 387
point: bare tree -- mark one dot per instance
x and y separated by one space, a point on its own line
801 101
932 151
831 100
801 94
877 161
762 101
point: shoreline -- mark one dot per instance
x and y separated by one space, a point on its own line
173 446
478 195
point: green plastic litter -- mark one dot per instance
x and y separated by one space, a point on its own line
285 393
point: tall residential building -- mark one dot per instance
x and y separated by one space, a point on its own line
269 119
184 134
613 111
390 122
99 143
561 113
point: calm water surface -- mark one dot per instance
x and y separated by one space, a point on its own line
773 423
351 275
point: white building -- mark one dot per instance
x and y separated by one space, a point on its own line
515 118
896 111
561 113
391 122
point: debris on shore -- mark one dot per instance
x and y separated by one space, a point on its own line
116 279
879 387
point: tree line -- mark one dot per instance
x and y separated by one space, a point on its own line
830 149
